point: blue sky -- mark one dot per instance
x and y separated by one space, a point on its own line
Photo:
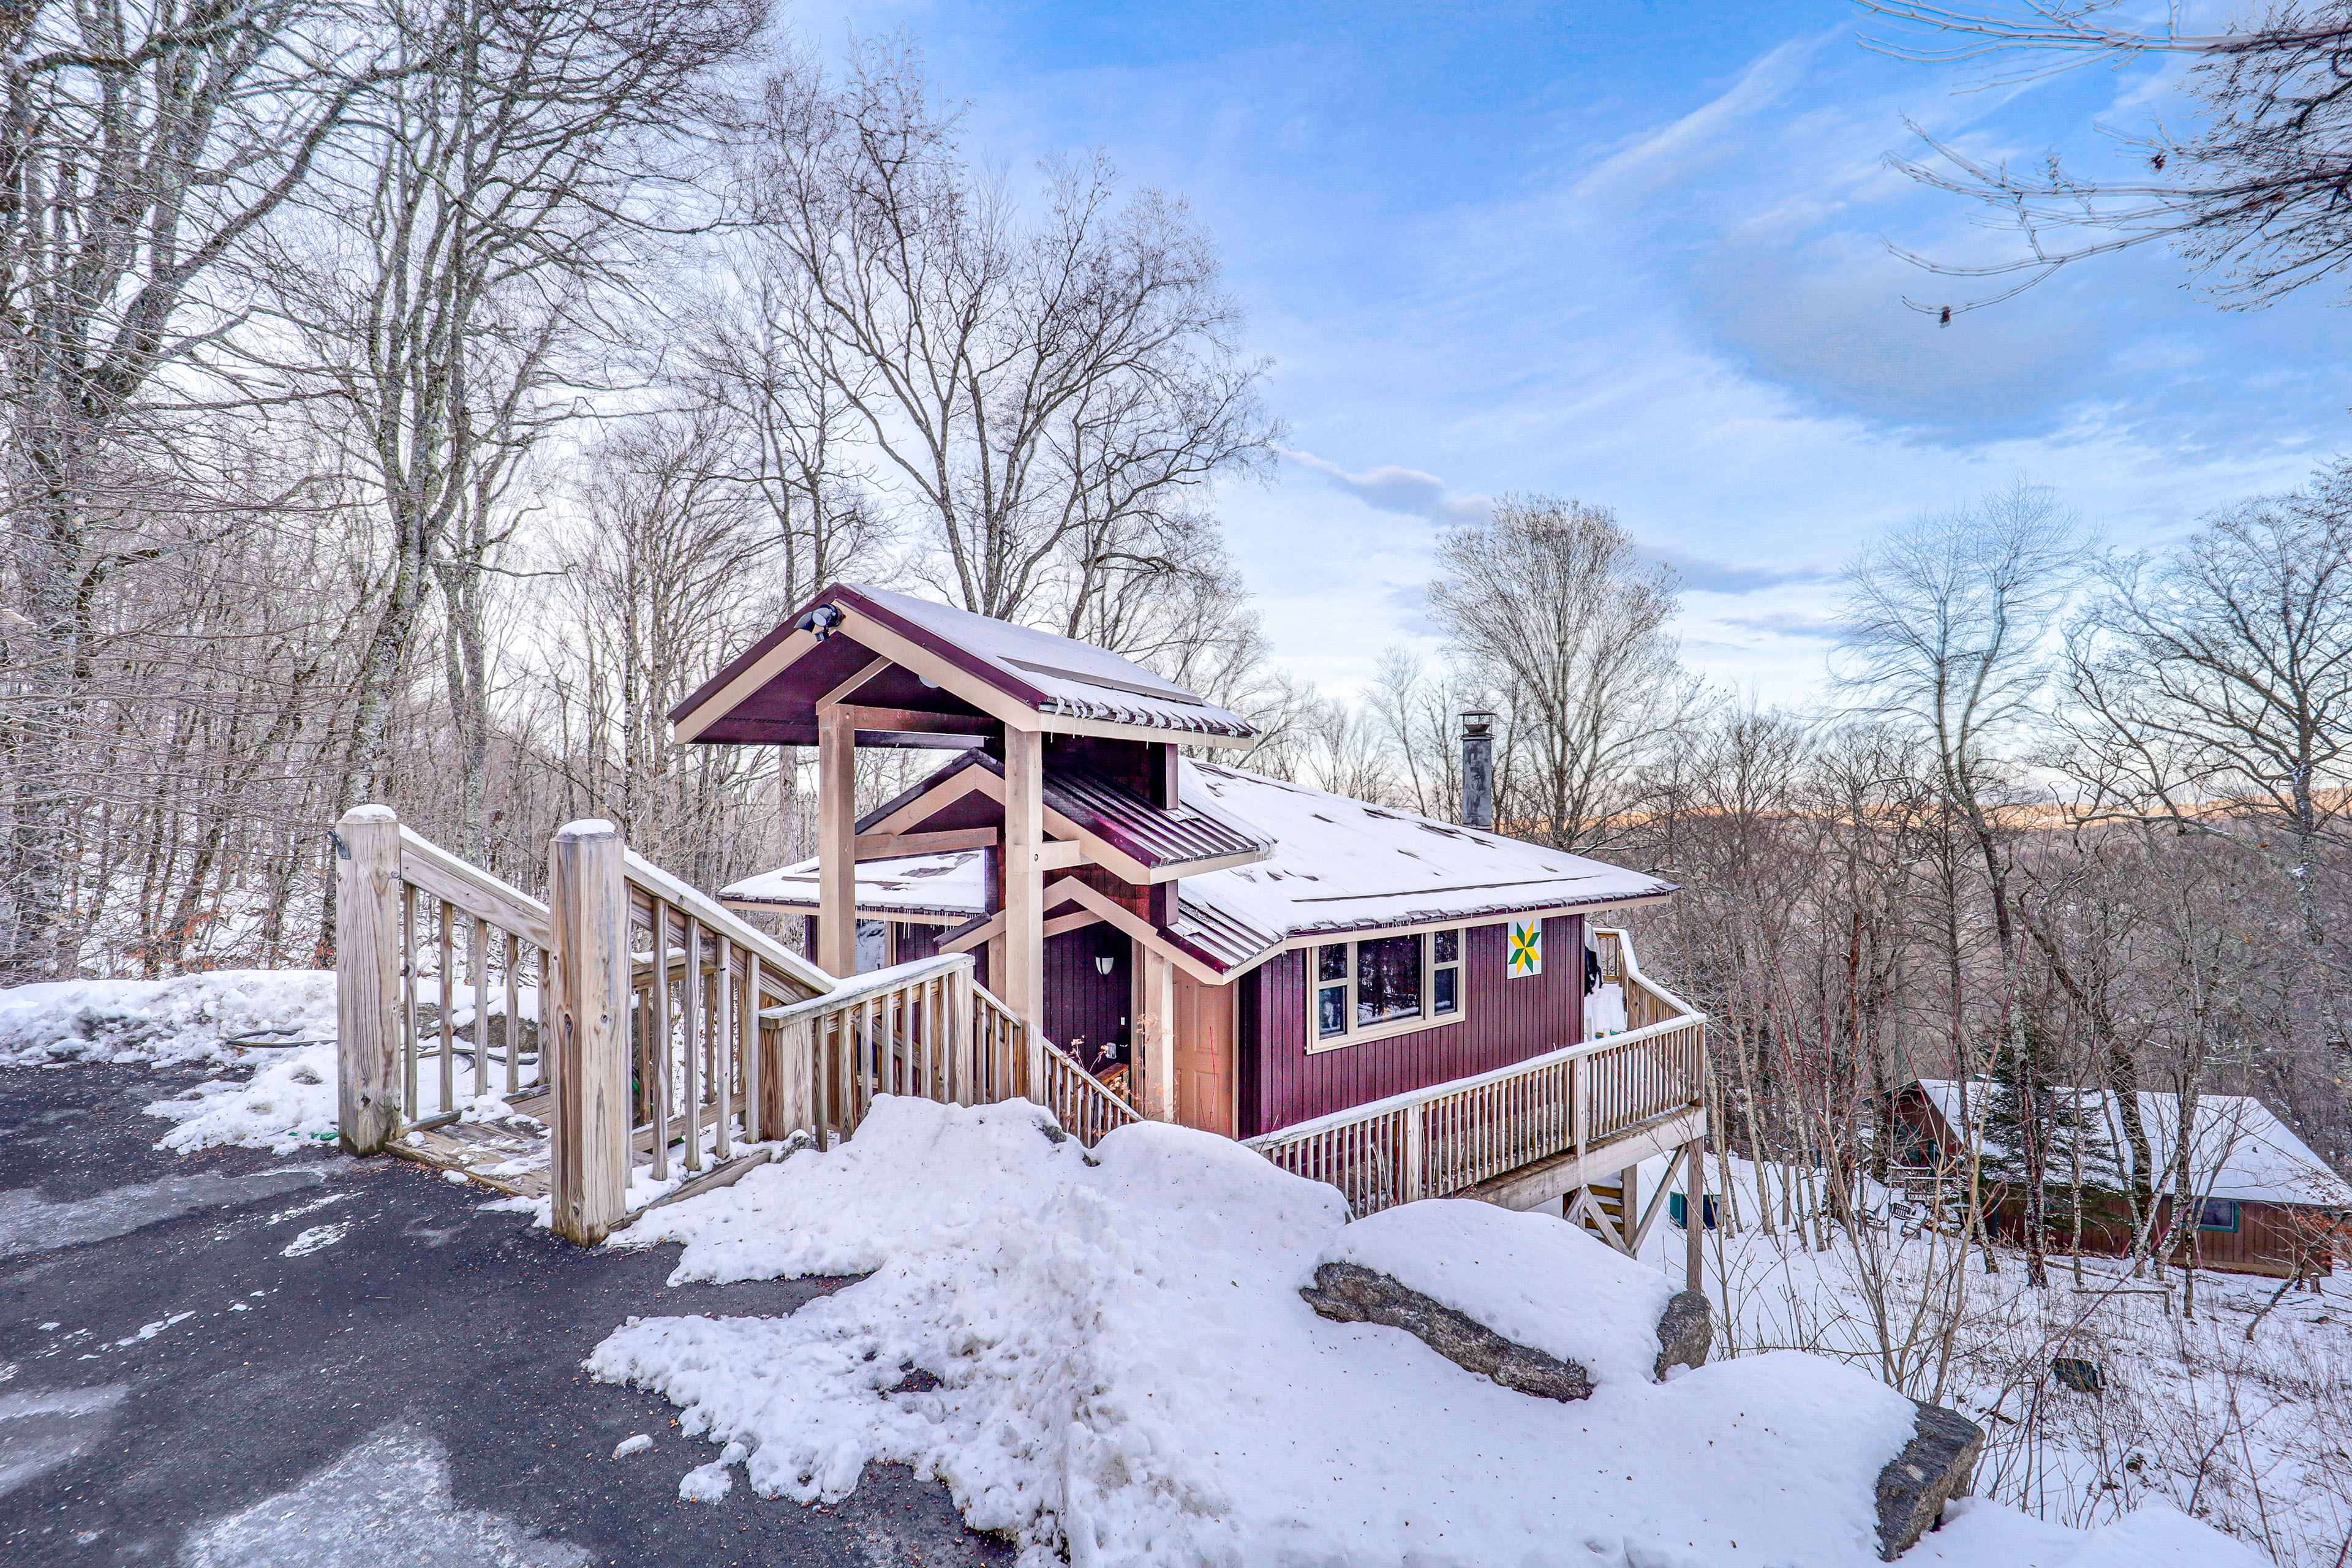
1637 254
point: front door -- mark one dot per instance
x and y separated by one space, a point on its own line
1089 984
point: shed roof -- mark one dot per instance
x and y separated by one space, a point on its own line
2240 1150
946 886
1337 865
979 666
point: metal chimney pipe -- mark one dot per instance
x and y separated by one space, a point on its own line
1478 770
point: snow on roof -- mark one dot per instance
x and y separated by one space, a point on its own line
1077 679
1338 865
2240 1150
948 884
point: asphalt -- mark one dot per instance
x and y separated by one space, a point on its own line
233 1359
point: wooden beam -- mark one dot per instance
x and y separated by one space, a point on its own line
842 692
368 962
915 721
1544 1181
888 845
972 934
836 837
1022 982
724 700
588 1165
1078 922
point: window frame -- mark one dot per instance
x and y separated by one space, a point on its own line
1351 1032
2237 1215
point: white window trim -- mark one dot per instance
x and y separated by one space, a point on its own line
1356 1035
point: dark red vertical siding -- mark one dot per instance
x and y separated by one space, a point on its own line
909 942
1506 1021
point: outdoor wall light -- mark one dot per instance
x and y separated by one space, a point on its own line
819 623
1103 962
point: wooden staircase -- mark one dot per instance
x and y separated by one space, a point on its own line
660 1046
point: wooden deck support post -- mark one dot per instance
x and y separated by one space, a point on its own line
1629 1205
1694 1211
367 978
836 842
588 1171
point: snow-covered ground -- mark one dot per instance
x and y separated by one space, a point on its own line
1125 1366
2240 1415
287 1101
1107 1357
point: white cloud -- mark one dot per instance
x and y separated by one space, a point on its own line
1392 488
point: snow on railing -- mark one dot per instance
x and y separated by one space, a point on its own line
1430 1142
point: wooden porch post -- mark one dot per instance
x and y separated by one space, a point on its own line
367 978
1158 1036
588 902
1022 984
836 842
1694 1211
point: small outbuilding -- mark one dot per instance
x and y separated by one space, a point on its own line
2265 1203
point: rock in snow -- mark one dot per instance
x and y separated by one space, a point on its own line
1351 1293
1123 1371
1937 1466
1685 1333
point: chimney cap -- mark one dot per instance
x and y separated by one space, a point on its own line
1478 721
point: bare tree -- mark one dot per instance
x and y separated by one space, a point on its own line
672 569
452 264
1549 606
1049 399
141 148
2253 197
1945 626
2212 689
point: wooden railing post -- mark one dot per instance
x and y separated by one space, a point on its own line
1416 1158
589 1138
367 978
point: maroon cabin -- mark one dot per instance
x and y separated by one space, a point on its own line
1230 951
2266 1203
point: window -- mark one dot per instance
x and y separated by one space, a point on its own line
1385 986
2217 1213
1446 973
1387 980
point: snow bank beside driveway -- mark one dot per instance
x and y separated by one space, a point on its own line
288 1103
161 1021
1116 1366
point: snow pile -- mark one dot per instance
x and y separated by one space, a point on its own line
1116 1367
288 1103
162 1021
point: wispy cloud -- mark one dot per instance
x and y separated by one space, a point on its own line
1710 576
1392 488
1818 628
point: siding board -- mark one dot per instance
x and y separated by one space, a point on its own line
1505 1021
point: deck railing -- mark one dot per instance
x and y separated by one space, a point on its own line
661 1026
1434 1142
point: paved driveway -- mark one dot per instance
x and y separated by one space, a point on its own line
236 1359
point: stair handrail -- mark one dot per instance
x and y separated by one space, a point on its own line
720 918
